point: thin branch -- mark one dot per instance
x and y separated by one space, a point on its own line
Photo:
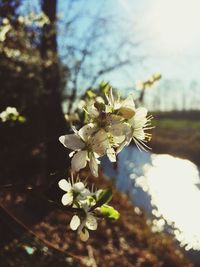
44 241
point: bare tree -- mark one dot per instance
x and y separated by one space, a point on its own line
93 44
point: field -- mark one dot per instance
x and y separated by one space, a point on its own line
177 133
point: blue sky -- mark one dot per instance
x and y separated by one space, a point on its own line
167 31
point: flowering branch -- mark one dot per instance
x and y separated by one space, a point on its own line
110 125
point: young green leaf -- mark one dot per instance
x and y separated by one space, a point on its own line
109 212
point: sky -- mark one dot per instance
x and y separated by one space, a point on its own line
172 46
172 34
168 33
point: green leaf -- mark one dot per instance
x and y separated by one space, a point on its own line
105 87
21 119
109 212
90 93
103 197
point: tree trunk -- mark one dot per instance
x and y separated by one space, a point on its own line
54 122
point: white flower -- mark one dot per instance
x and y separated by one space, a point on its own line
9 111
89 222
72 190
12 110
89 143
4 116
139 123
119 137
125 108
91 109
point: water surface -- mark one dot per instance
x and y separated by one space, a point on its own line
167 187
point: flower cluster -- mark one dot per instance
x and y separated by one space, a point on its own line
111 124
89 204
11 114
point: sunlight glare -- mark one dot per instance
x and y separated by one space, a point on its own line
175 23
172 184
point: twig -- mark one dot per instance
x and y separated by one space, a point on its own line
44 241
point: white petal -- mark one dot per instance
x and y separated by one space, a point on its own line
85 193
110 97
127 108
84 235
113 119
67 199
141 112
93 164
111 154
79 160
99 142
86 131
118 139
129 102
93 111
75 222
71 141
121 147
99 99
119 129
126 112
126 142
91 222
140 116
71 154
64 185
139 134
123 144
140 119
78 187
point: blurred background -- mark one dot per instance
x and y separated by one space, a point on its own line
51 52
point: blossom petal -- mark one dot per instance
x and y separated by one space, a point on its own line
121 147
140 119
64 185
118 139
110 98
84 235
123 144
93 111
71 141
93 164
78 187
111 154
119 129
139 134
71 154
86 131
91 222
79 160
141 112
113 119
67 199
127 112
127 108
99 142
85 193
75 222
